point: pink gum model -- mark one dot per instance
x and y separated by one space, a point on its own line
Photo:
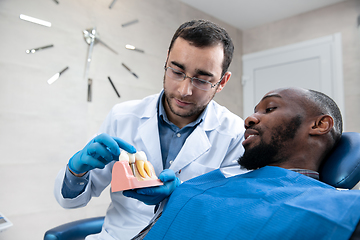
123 178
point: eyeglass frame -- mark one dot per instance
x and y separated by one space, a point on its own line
192 79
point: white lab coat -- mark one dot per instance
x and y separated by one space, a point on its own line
215 143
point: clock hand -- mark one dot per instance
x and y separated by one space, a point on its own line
98 39
88 59
111 5
91 37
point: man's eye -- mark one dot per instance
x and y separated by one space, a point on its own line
175 72
270 109
200 81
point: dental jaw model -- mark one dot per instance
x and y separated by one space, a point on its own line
133 171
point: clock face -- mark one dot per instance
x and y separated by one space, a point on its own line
65 105
87 39
92 38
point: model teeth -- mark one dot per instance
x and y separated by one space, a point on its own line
131 158
140 167
143 170
124 156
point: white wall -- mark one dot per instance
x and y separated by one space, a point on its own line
341 17
42 126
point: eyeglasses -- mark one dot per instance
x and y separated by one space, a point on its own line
196 82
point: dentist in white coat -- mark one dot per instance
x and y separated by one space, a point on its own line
181 129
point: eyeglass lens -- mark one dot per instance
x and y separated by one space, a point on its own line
197 82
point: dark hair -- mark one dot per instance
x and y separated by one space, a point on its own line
203 33
328 106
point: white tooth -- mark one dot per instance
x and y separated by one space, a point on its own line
124 156
250 136
131 158
142 164
140 156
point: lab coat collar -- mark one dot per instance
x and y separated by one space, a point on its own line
152 107
148 132
196 144
211 120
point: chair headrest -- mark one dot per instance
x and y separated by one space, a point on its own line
342 168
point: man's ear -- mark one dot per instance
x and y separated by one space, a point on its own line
223 82
322 125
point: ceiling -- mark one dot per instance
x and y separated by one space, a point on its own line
245 14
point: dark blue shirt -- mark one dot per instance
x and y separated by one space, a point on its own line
172 138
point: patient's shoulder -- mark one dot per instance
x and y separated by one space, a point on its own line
210 177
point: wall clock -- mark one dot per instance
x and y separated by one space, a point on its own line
91 37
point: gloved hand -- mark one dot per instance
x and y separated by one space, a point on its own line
154 195
98 152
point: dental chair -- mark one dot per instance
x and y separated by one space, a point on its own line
76 230
340 170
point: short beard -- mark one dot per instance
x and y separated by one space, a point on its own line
196 111
259 156
268 154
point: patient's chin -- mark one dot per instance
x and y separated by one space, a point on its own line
259 156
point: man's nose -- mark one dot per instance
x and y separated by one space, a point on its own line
185 87
251 120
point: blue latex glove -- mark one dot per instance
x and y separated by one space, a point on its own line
98 152
154 195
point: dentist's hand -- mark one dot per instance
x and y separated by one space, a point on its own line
100 151
154 195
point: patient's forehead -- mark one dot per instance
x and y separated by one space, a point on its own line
296 98
292 92
289 94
